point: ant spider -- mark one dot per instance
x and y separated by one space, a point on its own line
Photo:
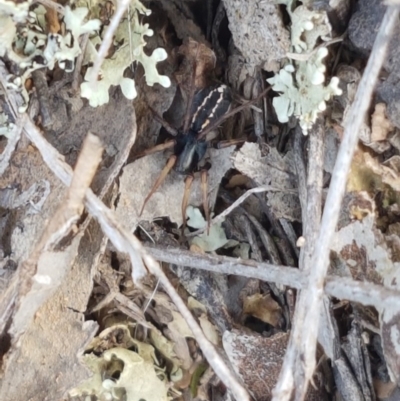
209 107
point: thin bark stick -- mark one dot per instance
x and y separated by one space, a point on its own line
12 142
69 211
83 41
107 41
313 211
66 215
301 170
299 361
220 218
123 239
7 303
338 287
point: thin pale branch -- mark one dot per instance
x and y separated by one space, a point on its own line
313 211
83 41
338 287
122 239
301 170
298 366
69 211
12 142
107 41
65 217
221 217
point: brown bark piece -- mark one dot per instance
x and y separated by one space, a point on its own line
258 361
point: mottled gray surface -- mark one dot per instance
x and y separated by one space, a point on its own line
363 28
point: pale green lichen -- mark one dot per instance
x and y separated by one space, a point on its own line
65 49
6 127
307 27
31 49
301 83
138 377
132 42
215 239
18 10
302 89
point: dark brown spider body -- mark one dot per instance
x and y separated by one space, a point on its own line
209 105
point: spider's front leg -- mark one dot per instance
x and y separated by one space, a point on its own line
158 148
204 191
169 166
188 186
204 188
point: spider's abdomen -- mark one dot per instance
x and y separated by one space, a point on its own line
209 105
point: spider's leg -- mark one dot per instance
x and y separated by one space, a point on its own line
204 189
168 127
170 164
185 200
157 148
229 142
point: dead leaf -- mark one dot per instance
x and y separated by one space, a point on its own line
48 352
369 174
388 175
275 170
263 307
209 330
166 348
369 255
380 125
258 361
177 331
194 304
52 21
238 180
196 249
209 241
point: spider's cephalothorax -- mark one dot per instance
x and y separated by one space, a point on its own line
209 105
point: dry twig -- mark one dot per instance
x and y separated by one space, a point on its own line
312 213
14 138
299 361
221 217
338 287
83 41
68 213
107 41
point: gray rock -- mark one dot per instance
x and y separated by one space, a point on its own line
389 92
364 26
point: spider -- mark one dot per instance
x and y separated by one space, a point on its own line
208 108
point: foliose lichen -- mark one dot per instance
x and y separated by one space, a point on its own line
301 82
